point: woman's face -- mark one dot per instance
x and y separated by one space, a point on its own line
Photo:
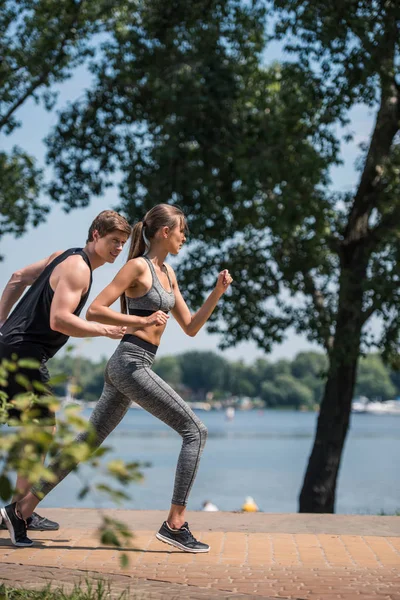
176 236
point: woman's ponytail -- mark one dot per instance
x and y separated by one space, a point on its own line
137 248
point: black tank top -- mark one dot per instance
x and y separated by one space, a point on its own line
28 326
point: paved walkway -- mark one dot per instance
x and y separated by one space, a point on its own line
316 557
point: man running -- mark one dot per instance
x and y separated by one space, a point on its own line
48 314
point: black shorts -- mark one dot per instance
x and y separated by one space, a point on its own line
38 412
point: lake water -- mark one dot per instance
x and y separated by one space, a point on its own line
261 454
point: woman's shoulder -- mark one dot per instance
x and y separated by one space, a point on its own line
139 264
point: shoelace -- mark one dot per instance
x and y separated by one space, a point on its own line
39 518
189 534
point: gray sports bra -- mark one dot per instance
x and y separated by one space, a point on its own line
157 298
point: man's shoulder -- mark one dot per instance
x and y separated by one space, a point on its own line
74 267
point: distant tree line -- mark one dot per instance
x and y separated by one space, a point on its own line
199 375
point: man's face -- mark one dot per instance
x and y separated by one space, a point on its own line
110 246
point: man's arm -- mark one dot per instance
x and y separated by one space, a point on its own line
19 281
73 276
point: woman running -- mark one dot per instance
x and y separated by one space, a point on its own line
149 291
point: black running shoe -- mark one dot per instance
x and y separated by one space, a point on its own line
15 525
181 538
38 523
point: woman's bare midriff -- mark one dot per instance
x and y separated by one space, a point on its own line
150 334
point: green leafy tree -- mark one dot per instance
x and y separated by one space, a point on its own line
239 379
81 375
169 369
202 371
271 394
184 107
310 368
267 371
294 393
309 363
42 42
286 391
373 379
355 50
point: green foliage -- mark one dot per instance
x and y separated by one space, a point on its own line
245 149
19 190
43 41
21 450
115 533
286 391
373 379
283 383
309 363
239 146
168 368
88 590
202 371
86 376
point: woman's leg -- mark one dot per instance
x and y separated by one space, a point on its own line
154 395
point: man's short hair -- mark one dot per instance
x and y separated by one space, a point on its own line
108 221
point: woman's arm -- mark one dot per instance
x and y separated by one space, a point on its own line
191 324
100 309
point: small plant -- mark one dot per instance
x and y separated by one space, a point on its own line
99 590
382 513
21 449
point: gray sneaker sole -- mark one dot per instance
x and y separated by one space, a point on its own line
180 546
10 528
43 528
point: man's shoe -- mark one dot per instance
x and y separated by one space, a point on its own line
181 538
37 523
15 525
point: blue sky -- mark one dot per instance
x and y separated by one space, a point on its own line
63 230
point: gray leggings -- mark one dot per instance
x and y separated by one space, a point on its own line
129 377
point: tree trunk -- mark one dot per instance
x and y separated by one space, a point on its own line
319 486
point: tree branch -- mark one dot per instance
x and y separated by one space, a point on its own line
42 79
386 127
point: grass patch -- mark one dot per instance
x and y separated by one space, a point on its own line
382 513
87 591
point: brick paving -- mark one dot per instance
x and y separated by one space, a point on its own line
316 557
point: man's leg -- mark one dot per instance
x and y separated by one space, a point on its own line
36 522
14 388
23 485
107 414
